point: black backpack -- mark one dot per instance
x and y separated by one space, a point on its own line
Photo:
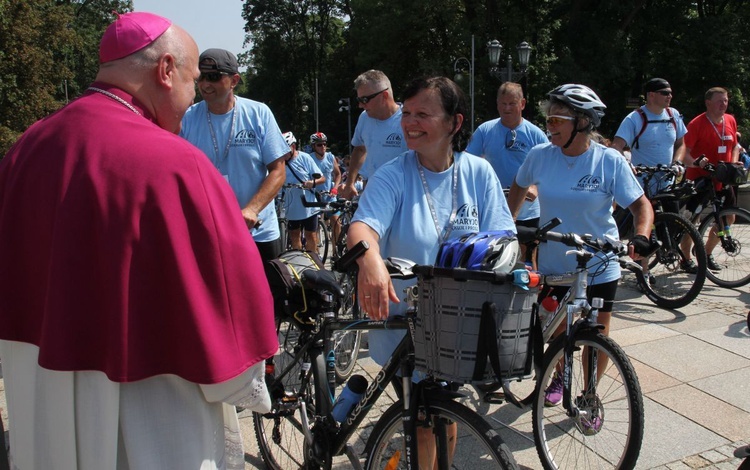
646 122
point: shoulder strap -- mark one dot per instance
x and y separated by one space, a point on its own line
646 123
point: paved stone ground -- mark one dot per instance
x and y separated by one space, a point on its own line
693 366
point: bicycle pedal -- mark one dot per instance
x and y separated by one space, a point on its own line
495 398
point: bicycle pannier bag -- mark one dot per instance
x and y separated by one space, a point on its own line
730 174
290 298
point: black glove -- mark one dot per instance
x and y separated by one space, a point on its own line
643 246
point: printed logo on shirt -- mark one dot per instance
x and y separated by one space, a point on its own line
588 183
244 138
393 140
467 218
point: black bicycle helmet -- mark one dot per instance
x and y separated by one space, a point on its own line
581 98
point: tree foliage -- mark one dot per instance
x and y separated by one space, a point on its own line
611 46
49 54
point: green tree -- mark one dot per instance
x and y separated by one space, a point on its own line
49 55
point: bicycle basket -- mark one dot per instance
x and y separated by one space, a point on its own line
730 174
447 329
291 299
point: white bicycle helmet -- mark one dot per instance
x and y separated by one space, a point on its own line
581 98
318 137
289 138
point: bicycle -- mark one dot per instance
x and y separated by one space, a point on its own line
348 341
281 207
731 253
602 427
669 285
300 431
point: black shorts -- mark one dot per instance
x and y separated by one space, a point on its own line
606 291
309 224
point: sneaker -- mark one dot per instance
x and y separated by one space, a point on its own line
592 423
689 267
712 264
554 393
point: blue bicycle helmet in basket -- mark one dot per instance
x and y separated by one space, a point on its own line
496 250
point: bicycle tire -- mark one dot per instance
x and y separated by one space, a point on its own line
284 234
672 287
323 239
560 439
478 446
733 255
279 433
347 343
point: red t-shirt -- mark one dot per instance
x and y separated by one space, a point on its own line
123 250
705 138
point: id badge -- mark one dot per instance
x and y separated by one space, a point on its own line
722 149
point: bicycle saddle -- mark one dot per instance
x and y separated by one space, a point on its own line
322 281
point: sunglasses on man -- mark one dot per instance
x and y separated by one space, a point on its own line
211 77
368 98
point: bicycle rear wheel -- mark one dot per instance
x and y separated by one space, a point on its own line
347 342
732 253
323 238
670 286
609 431
477 445
280 432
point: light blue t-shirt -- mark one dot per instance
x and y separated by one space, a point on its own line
580 191
395 206
303 166
383 140
656 144
256 142
325 166
506 152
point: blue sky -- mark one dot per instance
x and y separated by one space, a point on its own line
212 23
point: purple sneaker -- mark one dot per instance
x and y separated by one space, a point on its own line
554 393
593 423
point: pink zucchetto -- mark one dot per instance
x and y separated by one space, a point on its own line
130 33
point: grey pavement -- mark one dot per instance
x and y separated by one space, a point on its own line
693 365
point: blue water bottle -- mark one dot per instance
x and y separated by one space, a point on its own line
350 395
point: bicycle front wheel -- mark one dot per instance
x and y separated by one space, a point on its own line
472 443
669 286
323 238
732 253
608 429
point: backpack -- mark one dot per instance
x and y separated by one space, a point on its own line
646 122
290 298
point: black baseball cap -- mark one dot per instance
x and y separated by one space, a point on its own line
218 60
655 84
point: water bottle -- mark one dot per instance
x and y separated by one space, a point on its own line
547 309
350 395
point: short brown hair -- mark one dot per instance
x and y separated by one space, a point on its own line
714 90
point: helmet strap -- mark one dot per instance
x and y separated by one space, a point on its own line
572 134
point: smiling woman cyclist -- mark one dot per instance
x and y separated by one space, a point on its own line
577 180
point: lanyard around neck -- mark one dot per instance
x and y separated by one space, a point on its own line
723 128
442 232
220 158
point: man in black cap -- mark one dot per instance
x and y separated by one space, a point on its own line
243 141
654 132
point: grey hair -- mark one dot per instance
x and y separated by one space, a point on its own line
168 42
372 77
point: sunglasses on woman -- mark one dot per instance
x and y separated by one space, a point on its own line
556 120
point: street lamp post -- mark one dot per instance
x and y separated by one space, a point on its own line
495 50
346 106
459 67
